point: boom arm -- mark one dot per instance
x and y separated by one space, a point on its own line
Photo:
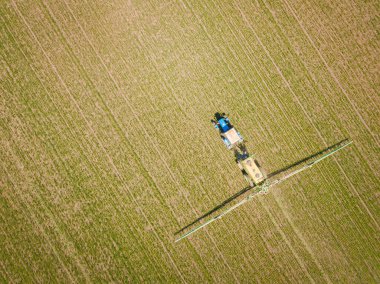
265 186
323 156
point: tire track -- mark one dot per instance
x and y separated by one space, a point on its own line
11 252
316 86
117 172
350 218
268 89
43 202
303 109
45 235
39 227
147 134
97 174
295 254
310 252
205 30
321 93
166 85
120 131
326 179
332 74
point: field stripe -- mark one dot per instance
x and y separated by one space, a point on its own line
332 74
283 235
318 132
297 257
172 175
35 218
273 220
323 94
80 146
66 88
63 163
341 169
316 86
114 119
333 157
132 110
9 246
350 218
39 227
296 231
76 104
270 112
166 85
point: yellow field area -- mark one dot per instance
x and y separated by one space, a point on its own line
106 145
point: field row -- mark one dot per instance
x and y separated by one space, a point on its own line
108 147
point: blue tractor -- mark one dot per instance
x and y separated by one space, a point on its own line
230 136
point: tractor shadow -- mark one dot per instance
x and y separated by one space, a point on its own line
239 154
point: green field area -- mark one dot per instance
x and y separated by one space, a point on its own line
106 145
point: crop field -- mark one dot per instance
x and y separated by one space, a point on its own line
106 145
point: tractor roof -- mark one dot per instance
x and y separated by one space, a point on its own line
223 125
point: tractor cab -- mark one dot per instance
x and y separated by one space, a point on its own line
224 125
230 136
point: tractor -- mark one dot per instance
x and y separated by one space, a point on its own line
233 140
259 182
230 136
